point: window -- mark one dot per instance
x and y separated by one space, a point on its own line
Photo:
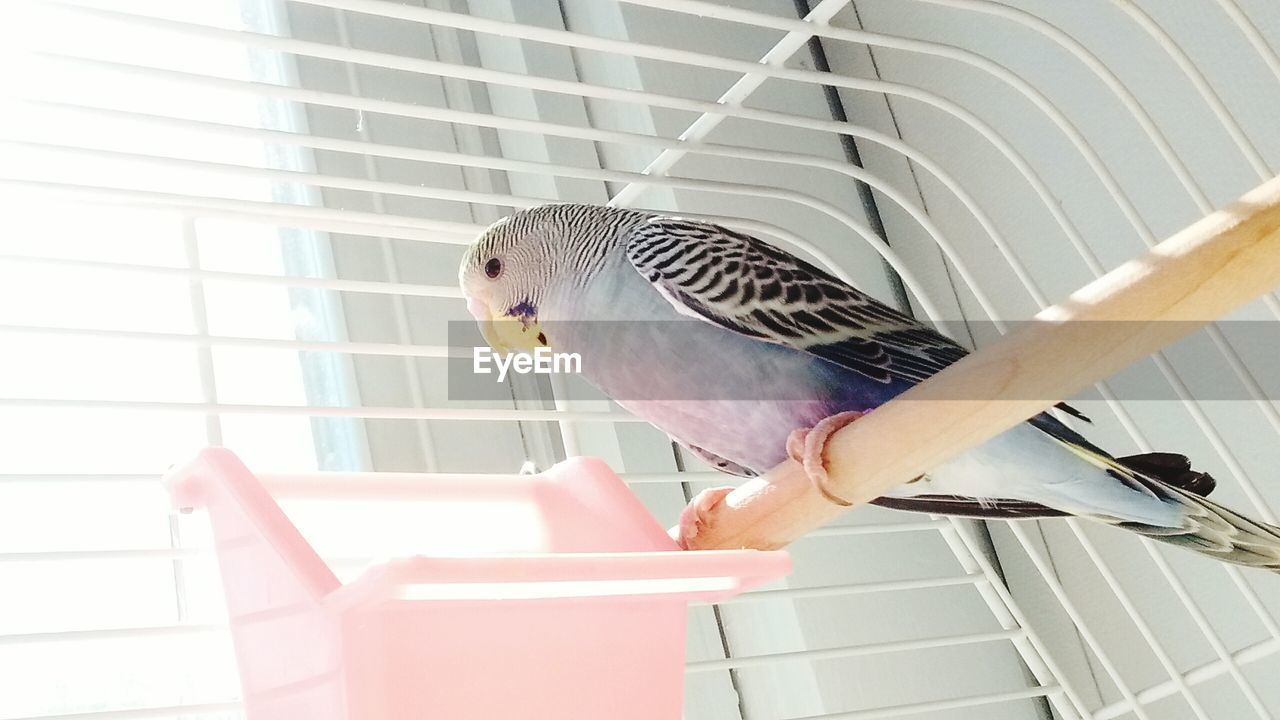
127 324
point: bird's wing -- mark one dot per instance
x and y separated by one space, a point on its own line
745 285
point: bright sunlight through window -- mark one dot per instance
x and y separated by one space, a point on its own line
101 325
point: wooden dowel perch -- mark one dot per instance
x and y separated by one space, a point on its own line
1193 278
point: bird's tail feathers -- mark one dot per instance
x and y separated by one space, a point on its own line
1172 469
1213 530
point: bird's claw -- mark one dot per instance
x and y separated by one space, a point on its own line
808 446
697 514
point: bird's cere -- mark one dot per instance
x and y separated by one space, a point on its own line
540 361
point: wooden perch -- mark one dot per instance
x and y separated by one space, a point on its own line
1193 278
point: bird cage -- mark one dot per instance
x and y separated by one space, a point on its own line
239 223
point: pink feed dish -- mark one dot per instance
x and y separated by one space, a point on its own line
576 613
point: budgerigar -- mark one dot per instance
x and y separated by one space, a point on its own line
730 345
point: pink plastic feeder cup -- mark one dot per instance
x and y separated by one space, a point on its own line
574 606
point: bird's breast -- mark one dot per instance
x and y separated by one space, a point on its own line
729 394
733 395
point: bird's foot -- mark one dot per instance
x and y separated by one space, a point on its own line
808 446
697 514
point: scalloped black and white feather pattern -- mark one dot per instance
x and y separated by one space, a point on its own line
743 284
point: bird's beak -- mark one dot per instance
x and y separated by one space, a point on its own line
504 333
480 311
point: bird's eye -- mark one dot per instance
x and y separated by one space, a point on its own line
493 268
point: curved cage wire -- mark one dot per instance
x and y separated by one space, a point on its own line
970 161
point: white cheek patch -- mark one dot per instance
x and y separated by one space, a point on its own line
478 310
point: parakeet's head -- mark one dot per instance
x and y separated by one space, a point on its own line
518 262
